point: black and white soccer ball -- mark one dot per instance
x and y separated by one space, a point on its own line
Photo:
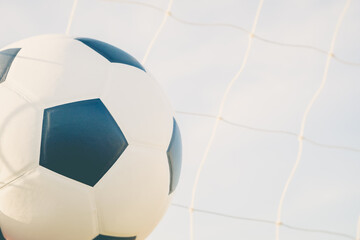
89 147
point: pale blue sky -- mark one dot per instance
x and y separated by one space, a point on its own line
246 170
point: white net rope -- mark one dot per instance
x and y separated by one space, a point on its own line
304 120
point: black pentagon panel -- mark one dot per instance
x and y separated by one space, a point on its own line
174 154
1 236
111 53
6 58
103 237
80 140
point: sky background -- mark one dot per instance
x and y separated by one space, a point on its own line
246 170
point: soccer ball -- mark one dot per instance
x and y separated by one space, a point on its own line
89 147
